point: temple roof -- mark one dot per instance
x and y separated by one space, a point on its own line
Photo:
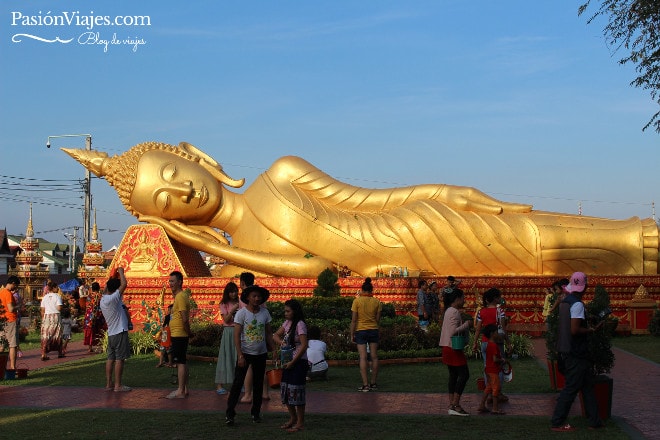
4 243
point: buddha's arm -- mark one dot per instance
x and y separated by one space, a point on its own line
275 264
293 173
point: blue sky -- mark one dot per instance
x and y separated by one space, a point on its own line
527 104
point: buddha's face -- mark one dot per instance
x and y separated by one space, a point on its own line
173 188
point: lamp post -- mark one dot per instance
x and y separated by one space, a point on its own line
88 183
72 248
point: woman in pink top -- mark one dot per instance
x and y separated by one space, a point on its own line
224 370
453 325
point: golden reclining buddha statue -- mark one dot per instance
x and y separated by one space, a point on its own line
295 221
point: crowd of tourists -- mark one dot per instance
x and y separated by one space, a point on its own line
247 339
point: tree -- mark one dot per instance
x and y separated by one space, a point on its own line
635 26
327 284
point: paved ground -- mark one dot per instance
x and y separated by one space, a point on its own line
636 395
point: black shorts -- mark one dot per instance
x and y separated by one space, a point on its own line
179 349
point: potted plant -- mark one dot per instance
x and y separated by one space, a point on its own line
551 335
598 312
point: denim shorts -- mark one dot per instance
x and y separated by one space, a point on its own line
366 336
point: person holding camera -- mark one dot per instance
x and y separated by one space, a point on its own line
119 346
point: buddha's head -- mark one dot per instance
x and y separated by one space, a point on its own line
175 183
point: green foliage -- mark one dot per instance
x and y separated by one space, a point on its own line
600 341
400 335
552 332
654 323
206 334
142 342
521 345
404 333
633 25
327 285
388 311
334 309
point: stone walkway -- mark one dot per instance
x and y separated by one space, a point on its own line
636 394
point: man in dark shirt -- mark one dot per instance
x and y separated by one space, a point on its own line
573 350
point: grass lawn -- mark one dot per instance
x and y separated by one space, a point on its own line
529 376
66 424
645 346
98 424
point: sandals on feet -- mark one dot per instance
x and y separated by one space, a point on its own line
563 428
295 429
287 425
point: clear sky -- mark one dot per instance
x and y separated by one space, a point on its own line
520 99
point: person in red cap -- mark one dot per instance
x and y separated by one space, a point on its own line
574 359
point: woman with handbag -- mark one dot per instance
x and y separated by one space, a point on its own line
453 338
292 338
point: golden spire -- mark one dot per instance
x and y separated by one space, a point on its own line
95 231
29 233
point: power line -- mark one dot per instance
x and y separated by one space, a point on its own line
566 199
40 180
58 205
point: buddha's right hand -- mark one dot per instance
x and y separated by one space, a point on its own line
190 235
471 199
266 262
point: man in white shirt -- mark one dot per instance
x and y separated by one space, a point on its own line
119 347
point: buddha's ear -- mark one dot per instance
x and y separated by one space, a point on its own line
211 165
194 151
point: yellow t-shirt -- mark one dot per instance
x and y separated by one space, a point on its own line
367 307
181 303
